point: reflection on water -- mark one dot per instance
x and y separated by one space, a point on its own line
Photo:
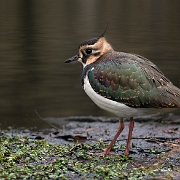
36 37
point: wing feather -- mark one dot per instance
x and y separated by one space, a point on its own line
133 80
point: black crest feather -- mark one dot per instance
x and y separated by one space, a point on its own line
93 40
102 35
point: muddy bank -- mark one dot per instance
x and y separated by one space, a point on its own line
156 139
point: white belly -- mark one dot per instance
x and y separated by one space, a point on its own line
116 108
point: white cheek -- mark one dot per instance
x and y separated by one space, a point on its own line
80 59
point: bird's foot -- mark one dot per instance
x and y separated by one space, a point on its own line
126 152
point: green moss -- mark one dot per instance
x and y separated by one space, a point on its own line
25 158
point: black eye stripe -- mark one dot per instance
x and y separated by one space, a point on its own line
84 59
96 54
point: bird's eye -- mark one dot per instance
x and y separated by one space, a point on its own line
88 51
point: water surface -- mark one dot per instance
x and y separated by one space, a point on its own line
36 37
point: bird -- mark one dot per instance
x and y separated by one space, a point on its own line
124 84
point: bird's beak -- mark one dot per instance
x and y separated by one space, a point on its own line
74 58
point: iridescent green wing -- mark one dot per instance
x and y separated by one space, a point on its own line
125 81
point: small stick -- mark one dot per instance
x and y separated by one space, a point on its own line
46 121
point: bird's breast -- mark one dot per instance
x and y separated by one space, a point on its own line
117 108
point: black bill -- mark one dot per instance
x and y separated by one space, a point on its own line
74 58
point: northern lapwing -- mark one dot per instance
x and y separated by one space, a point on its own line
124 84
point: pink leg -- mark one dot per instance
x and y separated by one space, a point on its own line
120 129
131 126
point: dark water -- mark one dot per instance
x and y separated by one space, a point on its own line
36 37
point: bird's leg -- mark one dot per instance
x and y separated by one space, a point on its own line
120 129
131 126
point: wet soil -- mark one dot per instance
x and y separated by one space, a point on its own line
152 136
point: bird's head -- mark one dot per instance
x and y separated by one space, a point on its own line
91 50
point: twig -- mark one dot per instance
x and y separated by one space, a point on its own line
46 121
